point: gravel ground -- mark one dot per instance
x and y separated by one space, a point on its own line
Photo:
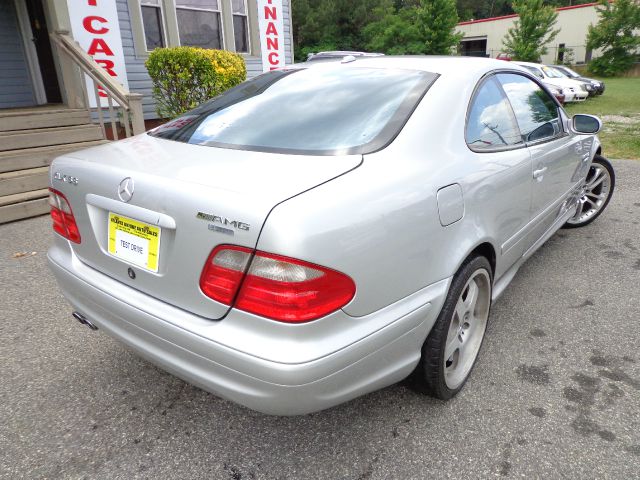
555 393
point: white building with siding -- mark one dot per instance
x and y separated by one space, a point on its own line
231 19
484 37
143 25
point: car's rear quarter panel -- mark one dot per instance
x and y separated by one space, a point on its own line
380 224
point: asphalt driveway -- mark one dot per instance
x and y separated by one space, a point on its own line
555 394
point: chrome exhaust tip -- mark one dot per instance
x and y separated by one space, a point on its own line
83 320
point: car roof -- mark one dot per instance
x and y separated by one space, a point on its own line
443 65
529 64
342 53
559 66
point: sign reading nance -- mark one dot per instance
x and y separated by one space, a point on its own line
271 34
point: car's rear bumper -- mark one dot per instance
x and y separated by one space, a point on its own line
376 360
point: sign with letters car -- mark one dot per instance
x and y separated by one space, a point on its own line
95 27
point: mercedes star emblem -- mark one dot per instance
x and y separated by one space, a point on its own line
125 189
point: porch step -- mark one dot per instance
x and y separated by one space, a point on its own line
30 138
23 197
22 159
24 119
21 139
24 205
24 178
23 181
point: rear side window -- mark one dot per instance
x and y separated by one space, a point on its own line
535 110
534 70
490 123
324 110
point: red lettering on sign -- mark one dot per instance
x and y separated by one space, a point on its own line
271 36
93 3
98 45
107 65
87 23
271 29
272 43
270 12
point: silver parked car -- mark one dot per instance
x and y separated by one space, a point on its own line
325 230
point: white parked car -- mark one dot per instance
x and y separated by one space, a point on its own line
573 90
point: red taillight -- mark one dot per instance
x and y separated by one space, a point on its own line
276 287
223 272
64 222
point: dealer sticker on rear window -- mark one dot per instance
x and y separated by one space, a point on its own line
134 242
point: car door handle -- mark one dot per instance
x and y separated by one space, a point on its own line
537 174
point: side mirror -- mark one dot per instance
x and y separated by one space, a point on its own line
586 124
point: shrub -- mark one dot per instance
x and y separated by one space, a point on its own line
184 77
568 57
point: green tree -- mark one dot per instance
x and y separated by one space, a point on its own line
436 22
474 9
478 9
428 27
533 30
331 24
614 33
394 33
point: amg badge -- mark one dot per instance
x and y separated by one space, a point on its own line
223 221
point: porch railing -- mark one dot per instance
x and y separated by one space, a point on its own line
123 107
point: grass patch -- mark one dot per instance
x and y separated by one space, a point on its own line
619 110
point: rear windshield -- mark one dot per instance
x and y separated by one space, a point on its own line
324 110
552 72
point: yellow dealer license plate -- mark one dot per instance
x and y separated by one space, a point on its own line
134 242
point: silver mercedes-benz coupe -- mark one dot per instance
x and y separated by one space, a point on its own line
324 230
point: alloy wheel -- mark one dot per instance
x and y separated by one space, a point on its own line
594 196
466 329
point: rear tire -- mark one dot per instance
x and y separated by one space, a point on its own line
598 190
451 348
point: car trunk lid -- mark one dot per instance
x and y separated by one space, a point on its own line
193 197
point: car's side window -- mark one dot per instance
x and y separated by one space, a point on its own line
490 121
536 112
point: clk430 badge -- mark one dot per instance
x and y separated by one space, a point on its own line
235 224
61 177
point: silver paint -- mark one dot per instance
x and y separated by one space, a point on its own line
375 218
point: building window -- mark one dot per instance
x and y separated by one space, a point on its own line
240 26
152 23
199 23
561 50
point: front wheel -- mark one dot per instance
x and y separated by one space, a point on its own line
596 193
451 349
